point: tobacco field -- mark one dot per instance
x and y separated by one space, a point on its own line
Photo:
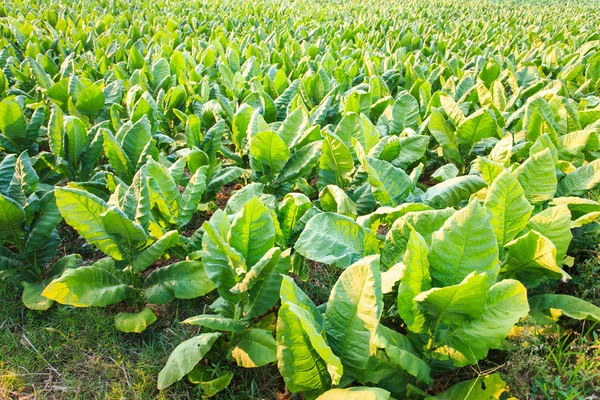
335 199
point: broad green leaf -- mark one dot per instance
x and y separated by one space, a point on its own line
451 192
135 139
12 121
505 306
439 129
508 208
334 199
98 285
32 297
580 181
122 228
356 393
390 184
453 304
242 196
414 279
557 305
333 239
182 280
305 360
210 385
255 349
400 351
353 311
485 387
185 356
83 211
404 114
217 323
134 322
336 162
252 231
268 149
537 177
445 172
264 292
221 261
477 126
291 209
43 226
154 251
554 223
90 100
191 196
465 243
12 217
300 164
530 258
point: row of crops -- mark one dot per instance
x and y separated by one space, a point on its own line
439 155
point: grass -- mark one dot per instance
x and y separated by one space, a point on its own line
71 353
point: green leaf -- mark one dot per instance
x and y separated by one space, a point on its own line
465 243
452 304
122 228
116 156
356 393
221 261
185 356
508 208
252 231
451 192
300 164
400 352
154 251
557 305
75 139
12 217
210 385
291 209
530 258
255 349
32 297
336 162
390 184
333 239
479 125
485 387
191 196
537 177
353 311
134 322
404 113
43 226
217 323
305 360
334 199
264 292
135 139
90 100
439 129
414 279
555 224
98 285
269 150
182 280
580 181
83 211
505 306
12 121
